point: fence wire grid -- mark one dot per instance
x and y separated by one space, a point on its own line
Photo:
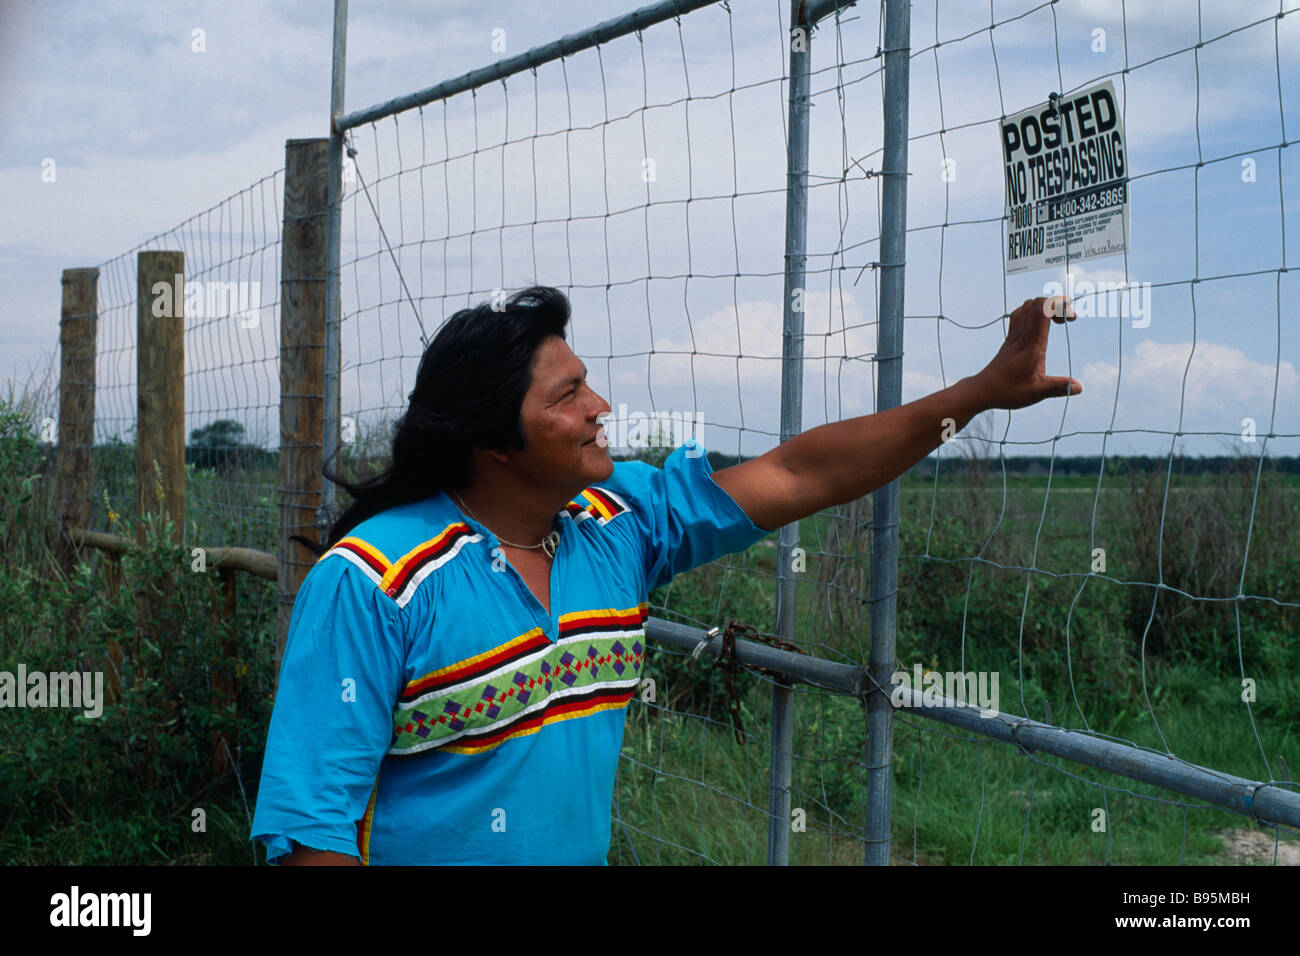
232 382
646 177
638 176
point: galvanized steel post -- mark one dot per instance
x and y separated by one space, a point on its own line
333 242
889 394
796 234
803 17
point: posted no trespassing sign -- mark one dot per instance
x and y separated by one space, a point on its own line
1067 181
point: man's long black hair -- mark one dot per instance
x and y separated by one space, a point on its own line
468 393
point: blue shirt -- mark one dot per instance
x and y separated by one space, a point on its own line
431 711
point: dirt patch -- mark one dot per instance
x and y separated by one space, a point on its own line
1257 846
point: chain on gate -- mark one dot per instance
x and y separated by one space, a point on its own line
730 664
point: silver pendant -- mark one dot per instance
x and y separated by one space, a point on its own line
550 543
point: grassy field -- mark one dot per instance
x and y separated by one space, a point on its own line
1060 637
1152 649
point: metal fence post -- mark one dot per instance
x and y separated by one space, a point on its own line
889 394
796 236
333 241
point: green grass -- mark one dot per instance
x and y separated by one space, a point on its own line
688 793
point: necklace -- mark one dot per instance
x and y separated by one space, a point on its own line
549 544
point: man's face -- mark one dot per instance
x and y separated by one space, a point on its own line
559 422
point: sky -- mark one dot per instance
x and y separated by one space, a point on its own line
148 125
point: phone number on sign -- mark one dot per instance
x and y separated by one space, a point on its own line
1090 202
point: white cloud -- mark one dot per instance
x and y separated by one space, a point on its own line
1223 386
833 327
919 384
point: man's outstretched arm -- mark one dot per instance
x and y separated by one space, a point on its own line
842 461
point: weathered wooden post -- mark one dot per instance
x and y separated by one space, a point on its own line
160 387
78 325
302 366
160 410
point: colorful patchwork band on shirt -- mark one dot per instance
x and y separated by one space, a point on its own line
596 665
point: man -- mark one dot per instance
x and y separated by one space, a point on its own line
460 661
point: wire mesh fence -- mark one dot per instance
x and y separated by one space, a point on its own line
638 175
1146 601
231 291
646 178
1121 565
200 636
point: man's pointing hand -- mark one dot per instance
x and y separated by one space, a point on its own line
1016 377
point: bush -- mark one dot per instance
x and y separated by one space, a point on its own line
123 786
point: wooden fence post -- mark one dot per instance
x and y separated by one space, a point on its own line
160 387
73 484
302 366
160 410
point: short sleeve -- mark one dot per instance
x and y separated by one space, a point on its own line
333 716
681 514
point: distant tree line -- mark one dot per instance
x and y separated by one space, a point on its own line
1032 465
221 446
1115 464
